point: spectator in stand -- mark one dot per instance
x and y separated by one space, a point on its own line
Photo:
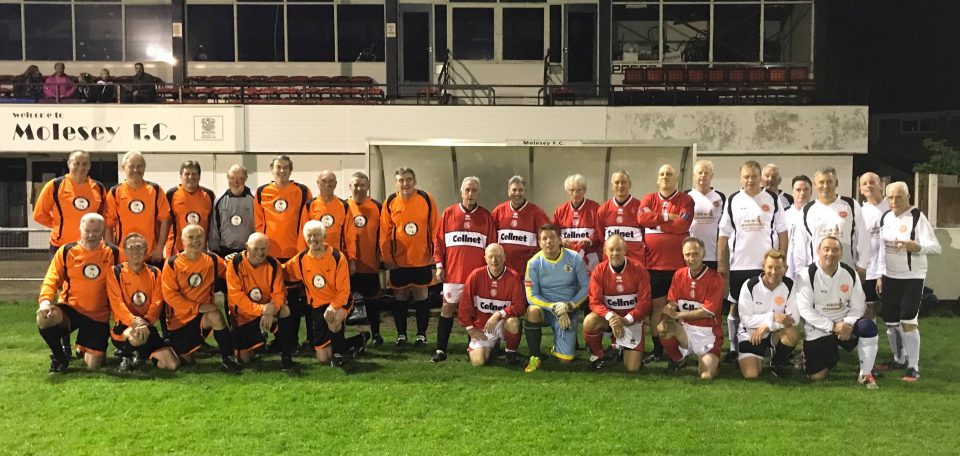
142 87
29 84
100 89
58 85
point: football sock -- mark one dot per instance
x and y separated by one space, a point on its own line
672 348
52 336
224 342
911 342
733 323
422 309
400 309
373 315
354 342
444 326
534 333
657 346
594 342
338 342
867 352
901 350
513 340
781 355
893 338
286 335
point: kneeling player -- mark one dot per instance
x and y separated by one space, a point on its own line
619 300
693 310
189 284
490 305
768 318
136 299
556 286
257 295
831 301
325 275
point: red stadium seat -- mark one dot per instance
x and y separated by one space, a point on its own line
777 75
717 75
798 74
366 80
736 76
757 75
653 76
675 75
633 76
697 76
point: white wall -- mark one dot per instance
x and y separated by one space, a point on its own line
942 269
726 169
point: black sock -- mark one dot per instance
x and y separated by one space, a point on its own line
354 342
657 346
224 342
444 326
400 309
534 333
338 342
65 341
308 319
286 335
52 336
423 316
373 315
781 355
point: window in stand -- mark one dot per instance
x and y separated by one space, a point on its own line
686 33
636 29
98 32
787 33
310 29
360 33
260 33
523 34
11 44
148 32
736 33
473 33
210 33
49 32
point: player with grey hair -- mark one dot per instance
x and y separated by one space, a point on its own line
517 221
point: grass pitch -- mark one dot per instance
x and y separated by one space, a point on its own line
395 402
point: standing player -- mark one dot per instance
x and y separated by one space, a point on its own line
771 182
831 302
837 216
874 205
280 211
78 273
190 204
752 224
408 224
907 240
692 322
802 187
666 215
189 284
138 206
577 220
490 307
707 209
332 212
325 276
465 231
232 221
257 302
136 300
619 301
768 318
517 222
64 200
364 215
556 285
618 217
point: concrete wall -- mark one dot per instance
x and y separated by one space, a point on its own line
942 272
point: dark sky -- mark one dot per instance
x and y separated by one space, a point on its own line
906 53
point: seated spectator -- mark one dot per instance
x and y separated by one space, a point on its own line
101 89
142 87
58 85
29 84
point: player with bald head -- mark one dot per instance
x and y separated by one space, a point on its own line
138 206
465 231
364 215
618 217
190 280
64 200
707 207
666 215
619 300
257 297
771 182
332 212
873 208
490 307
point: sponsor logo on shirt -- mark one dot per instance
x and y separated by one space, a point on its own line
195 280
193 218
465 239
359 221
138 298
91 271
517 237
280 205
236 220
136 206
490 306
81 203
326 220
628 233
622 302
255 295
319 281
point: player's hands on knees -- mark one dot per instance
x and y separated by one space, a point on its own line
616 325
758 334
208 307
564 321
671 310
138 335
560 308
491 325
46 309
477 334
266 322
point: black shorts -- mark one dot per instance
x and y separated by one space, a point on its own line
411 277
738 278
187 338
153 344
247 337
744 347
660 283
322 335
711 264
822 353
92 335
870 290
365 283
901 300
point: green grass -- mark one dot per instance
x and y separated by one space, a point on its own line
397 403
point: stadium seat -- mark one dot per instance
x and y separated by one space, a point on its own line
653 76
633 76
757 75
736 76
675 76
777 75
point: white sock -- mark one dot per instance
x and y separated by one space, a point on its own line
867 352
893 337
733 323
911 342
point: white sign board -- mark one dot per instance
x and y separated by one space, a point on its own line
154 128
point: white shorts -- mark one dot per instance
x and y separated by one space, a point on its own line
452 292
492 339
700 340
632 336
